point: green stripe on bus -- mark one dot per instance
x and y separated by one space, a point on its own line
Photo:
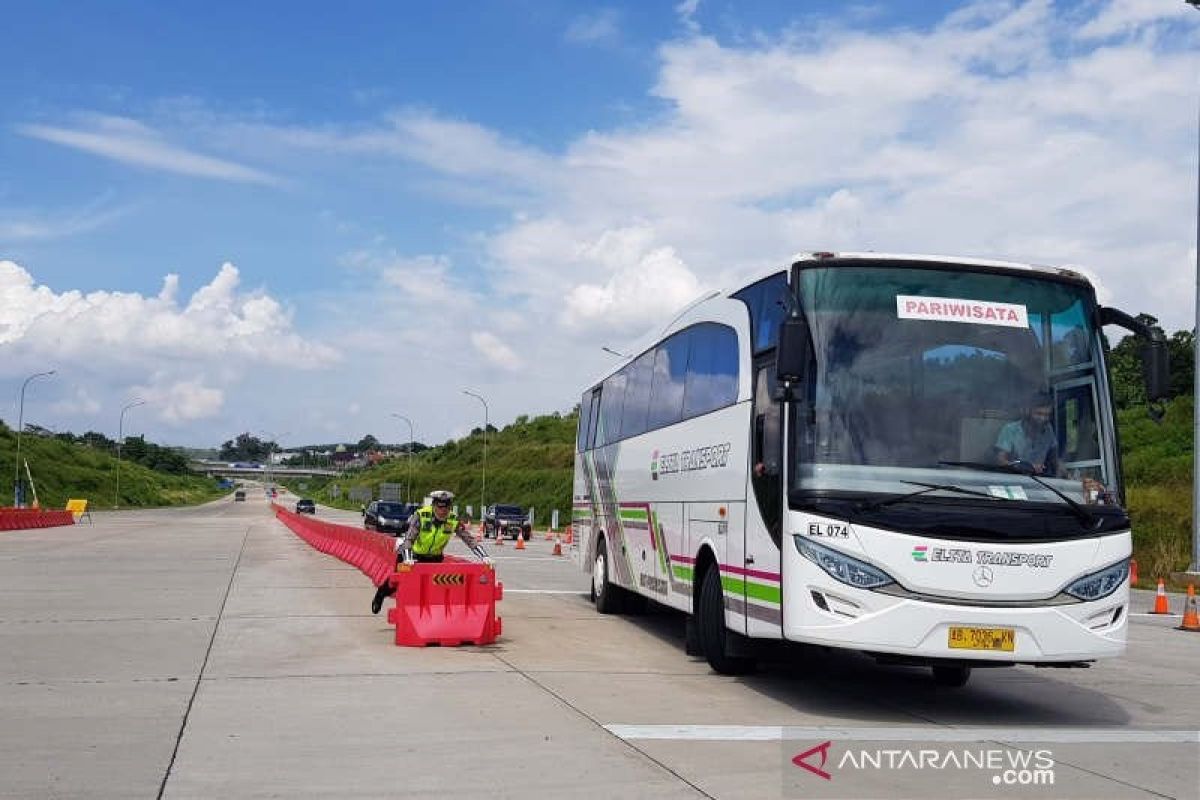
633 513
684 573
758 591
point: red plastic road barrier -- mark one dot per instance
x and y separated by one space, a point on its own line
12 519
450 603
373 553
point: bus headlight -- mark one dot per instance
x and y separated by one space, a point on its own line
1099 584
842 567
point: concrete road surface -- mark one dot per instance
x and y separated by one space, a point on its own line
211 653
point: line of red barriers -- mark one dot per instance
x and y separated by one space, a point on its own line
13 519
450 603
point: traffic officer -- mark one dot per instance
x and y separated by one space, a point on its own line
429 530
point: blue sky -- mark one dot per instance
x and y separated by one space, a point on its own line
412 199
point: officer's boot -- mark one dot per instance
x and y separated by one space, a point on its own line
385 590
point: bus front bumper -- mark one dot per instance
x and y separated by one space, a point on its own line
880 623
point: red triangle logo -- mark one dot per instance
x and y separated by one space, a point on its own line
823 749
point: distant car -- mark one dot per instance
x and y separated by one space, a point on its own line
508 521
240 494
306 506
388 517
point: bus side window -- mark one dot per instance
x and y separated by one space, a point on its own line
593 419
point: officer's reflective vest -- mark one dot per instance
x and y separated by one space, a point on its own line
433 537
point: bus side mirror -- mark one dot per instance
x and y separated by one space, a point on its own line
1156 370
791 356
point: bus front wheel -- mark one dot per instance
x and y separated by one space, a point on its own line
710 625
604 594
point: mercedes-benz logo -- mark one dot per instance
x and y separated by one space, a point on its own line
983 576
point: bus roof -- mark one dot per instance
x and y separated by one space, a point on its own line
817 256
992 263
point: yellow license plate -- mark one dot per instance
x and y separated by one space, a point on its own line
1003 639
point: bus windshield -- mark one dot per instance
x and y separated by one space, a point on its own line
944 376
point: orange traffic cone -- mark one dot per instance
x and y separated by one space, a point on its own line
1191 619
557 546
1160 600
520 542
1133 578
570 536
499 540
549 535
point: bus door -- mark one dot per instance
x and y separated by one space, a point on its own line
764 507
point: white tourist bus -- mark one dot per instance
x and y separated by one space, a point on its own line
859 500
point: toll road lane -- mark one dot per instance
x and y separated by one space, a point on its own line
299 690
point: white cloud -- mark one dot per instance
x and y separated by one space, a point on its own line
28 226
107 342
218 322
79 402
131 142
645 283
594 28
495 351
422 278
181 401
686 10
1124 16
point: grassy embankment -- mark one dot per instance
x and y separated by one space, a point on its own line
62 470
531 462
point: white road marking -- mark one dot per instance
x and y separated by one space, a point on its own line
528 558
543 591
773 733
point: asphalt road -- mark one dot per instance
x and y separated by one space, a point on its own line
210 652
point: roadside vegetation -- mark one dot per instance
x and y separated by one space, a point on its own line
529 463
64 466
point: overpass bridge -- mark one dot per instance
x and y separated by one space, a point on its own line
225 470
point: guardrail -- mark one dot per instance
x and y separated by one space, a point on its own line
13 519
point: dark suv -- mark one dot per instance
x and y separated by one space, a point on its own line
508 521
388 517
306 506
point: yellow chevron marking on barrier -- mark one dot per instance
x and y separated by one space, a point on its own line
456 579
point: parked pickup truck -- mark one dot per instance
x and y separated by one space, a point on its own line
507 521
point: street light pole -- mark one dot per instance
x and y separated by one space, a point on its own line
483 489
411 442
1194 567
18 495
121 441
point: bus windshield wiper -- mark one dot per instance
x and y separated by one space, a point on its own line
926 489
1081 513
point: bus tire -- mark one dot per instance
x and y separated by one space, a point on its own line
714 636
605 595
953 677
